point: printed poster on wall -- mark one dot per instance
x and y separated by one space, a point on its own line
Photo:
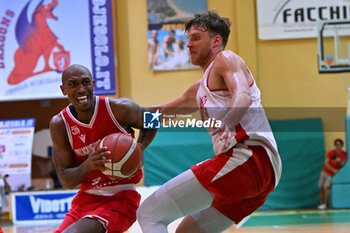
40 38
16 141
289 19
166 32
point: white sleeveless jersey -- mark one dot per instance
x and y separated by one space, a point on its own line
253 129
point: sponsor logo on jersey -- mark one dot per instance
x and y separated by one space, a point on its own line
82 137
75 130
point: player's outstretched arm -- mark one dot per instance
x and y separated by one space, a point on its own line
63 157
184 104
130 115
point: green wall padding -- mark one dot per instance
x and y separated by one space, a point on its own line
300 143
340 196
340 191
301 146
173 151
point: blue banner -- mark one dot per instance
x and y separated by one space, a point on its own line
102 46
41 206
17 123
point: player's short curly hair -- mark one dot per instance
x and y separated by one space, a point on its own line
212 22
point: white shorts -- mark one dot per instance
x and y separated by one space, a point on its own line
325 180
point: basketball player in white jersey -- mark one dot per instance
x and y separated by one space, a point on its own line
219 192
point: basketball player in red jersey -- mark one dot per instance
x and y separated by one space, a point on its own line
215 194
102 204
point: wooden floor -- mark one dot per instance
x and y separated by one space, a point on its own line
292 221
326 228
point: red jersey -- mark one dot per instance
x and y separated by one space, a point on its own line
332 155
83 138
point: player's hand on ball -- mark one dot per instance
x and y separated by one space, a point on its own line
97 159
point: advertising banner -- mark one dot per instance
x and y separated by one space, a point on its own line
16 141
289 19
40 38
41 207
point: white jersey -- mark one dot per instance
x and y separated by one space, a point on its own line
253 129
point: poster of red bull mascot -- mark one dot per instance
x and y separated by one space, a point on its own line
35 40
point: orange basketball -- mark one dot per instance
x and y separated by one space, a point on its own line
126 155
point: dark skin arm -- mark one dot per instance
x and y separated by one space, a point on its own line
127 113
63 157
130 115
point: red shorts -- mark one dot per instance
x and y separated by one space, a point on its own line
117 213
240 180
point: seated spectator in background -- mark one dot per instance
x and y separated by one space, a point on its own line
335 160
